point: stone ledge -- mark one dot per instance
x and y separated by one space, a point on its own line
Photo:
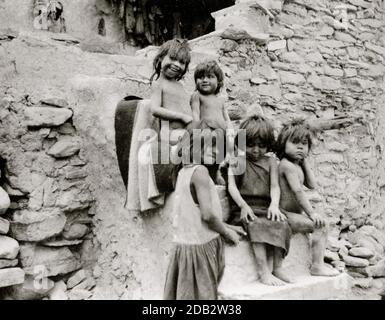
306 288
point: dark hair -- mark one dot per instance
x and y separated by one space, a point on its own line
209 67
177 49
259 131
295 131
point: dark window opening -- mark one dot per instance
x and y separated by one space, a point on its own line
102 27
152 22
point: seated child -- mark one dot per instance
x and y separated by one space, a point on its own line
209 108
256 193
169 100
197 260
293 145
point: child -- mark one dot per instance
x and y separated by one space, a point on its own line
197 261
208 107
169 100
293 146
152 167
256 193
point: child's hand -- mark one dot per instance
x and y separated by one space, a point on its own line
187 119
247 214
274 214
318 220
232 236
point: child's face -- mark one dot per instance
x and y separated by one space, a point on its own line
256 151
210 153
172 68
297 151
207 84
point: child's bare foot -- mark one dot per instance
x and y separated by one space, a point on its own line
271 280
280 274
323 271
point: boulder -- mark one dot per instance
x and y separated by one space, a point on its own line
4 226
378 270
5 202
361 252
58 292
276 45
76 278
46 116
5 263
33 288
355 262
291 78
37 226
9 248
65 147
11 276
54 261
75 231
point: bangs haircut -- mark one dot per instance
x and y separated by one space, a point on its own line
259 131
296 131
209 67
177 49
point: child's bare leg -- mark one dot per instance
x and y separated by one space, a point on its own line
278 271
261 257
318 247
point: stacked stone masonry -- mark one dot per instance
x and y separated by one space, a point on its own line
303 59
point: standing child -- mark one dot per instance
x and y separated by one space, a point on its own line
197 261
293 146
256 193
209 108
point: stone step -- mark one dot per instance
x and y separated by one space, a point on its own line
240 278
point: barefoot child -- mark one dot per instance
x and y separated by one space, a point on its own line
256 193
197 260
169 100
153 175
208 107
293 146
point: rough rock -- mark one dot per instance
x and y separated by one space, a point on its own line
76 278
46 116
54 102
11 276
37 226
61 243
5 202
324 83
228 45
5 263
58 292
291 57
276 45
361 252
238 34
4 226
355 262
65 147
79 294
377 49
33 288
9 248
257 81
74 199
54 260
87 284
331 256
378 270
75 231
291 78
266 71
364 283
271 90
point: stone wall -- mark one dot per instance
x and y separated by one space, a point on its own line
302 62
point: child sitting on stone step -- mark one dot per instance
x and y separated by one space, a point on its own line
209 109
256 194
293 145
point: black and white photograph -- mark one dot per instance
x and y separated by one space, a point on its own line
196 150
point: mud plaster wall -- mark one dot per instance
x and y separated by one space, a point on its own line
319 71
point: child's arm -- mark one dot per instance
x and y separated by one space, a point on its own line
161 112
310 181
195 106
201 182
273 212
296 187
247 213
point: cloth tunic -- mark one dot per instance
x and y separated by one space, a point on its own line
197 259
